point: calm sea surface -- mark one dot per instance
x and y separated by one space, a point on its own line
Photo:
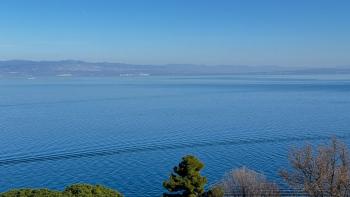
128 133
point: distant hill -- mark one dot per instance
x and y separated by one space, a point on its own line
25 68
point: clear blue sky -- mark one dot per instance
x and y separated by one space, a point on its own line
260 32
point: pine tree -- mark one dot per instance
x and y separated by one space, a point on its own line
186 180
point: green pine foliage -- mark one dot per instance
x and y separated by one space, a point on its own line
186 180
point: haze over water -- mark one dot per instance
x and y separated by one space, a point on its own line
128 132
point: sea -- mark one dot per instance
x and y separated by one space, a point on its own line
128 133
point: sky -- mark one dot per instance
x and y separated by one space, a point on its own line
211 32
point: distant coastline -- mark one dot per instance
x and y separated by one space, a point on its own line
75 68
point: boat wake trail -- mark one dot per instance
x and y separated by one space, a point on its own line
113 150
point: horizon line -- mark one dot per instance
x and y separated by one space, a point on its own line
173 64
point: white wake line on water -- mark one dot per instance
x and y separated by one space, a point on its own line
114 150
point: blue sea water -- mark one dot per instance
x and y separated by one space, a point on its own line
128 132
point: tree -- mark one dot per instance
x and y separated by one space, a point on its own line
86 190
245 182
324 172
186 180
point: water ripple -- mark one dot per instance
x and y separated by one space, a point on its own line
113 150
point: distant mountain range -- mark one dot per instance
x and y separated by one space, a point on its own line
64 68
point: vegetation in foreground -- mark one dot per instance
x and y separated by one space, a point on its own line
321 172
77 190
186 178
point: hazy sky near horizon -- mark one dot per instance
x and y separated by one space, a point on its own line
237 32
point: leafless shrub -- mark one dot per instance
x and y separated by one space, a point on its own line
324 172
244 182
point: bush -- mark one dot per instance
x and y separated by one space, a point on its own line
86 190
31 193
78 190
246 182
216 191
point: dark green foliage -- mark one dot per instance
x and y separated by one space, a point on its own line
78 190
216 191
31 193
186 180
85 190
